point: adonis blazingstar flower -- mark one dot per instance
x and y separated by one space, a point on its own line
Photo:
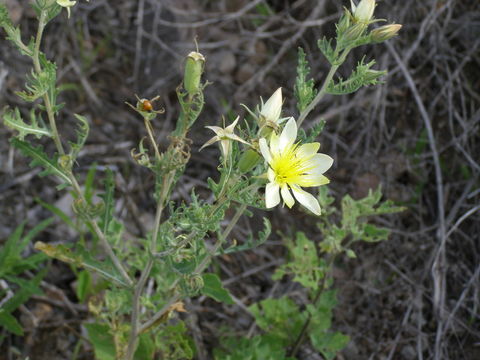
225 136
291 167
363 13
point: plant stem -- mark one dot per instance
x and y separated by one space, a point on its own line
61 151
324 87
38 70
133 339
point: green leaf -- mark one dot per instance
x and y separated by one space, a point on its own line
214 289
55 210
305 265
13 120
39 83
108 200
84 285
146 348
280 318
304 88
102 341
328 344
363 75
81 258
82 133
39 158
10 323
325 47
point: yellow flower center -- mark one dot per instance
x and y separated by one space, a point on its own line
289 167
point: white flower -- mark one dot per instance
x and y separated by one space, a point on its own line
225 136
66 4
292 166
272 108
364 11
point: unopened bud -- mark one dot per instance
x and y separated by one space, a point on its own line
355 31
193 72
364 11
372 76
248 160
385 32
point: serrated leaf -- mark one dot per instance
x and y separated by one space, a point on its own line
82 133
13 120
10 323
326 48
363 75
81 258
304 88
39 158
40 83
213 288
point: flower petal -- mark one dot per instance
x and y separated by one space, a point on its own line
210 142
273 107
310 180
306 199
230 127
319 163
265 150
288 135
236 138
287 197
217 129
274 148
271 175
307 150
272 196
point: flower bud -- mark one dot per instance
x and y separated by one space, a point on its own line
364 11
193 72
248 160
355 31
385 32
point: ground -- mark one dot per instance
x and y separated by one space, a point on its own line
417 135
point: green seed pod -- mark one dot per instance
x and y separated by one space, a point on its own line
193 72
248 160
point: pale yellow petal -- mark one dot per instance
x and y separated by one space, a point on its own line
265 150
310 180
307 150
286 196
273 107
272 195
307 200
210 142
319 163
288 135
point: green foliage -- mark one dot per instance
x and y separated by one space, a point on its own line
39 158
173 342
13 120
363 75
325 46
260 347
304 88
82 133
81 257
305 265
213 288
39 83
353 224
12 265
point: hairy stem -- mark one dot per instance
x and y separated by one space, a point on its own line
61 151
323 89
